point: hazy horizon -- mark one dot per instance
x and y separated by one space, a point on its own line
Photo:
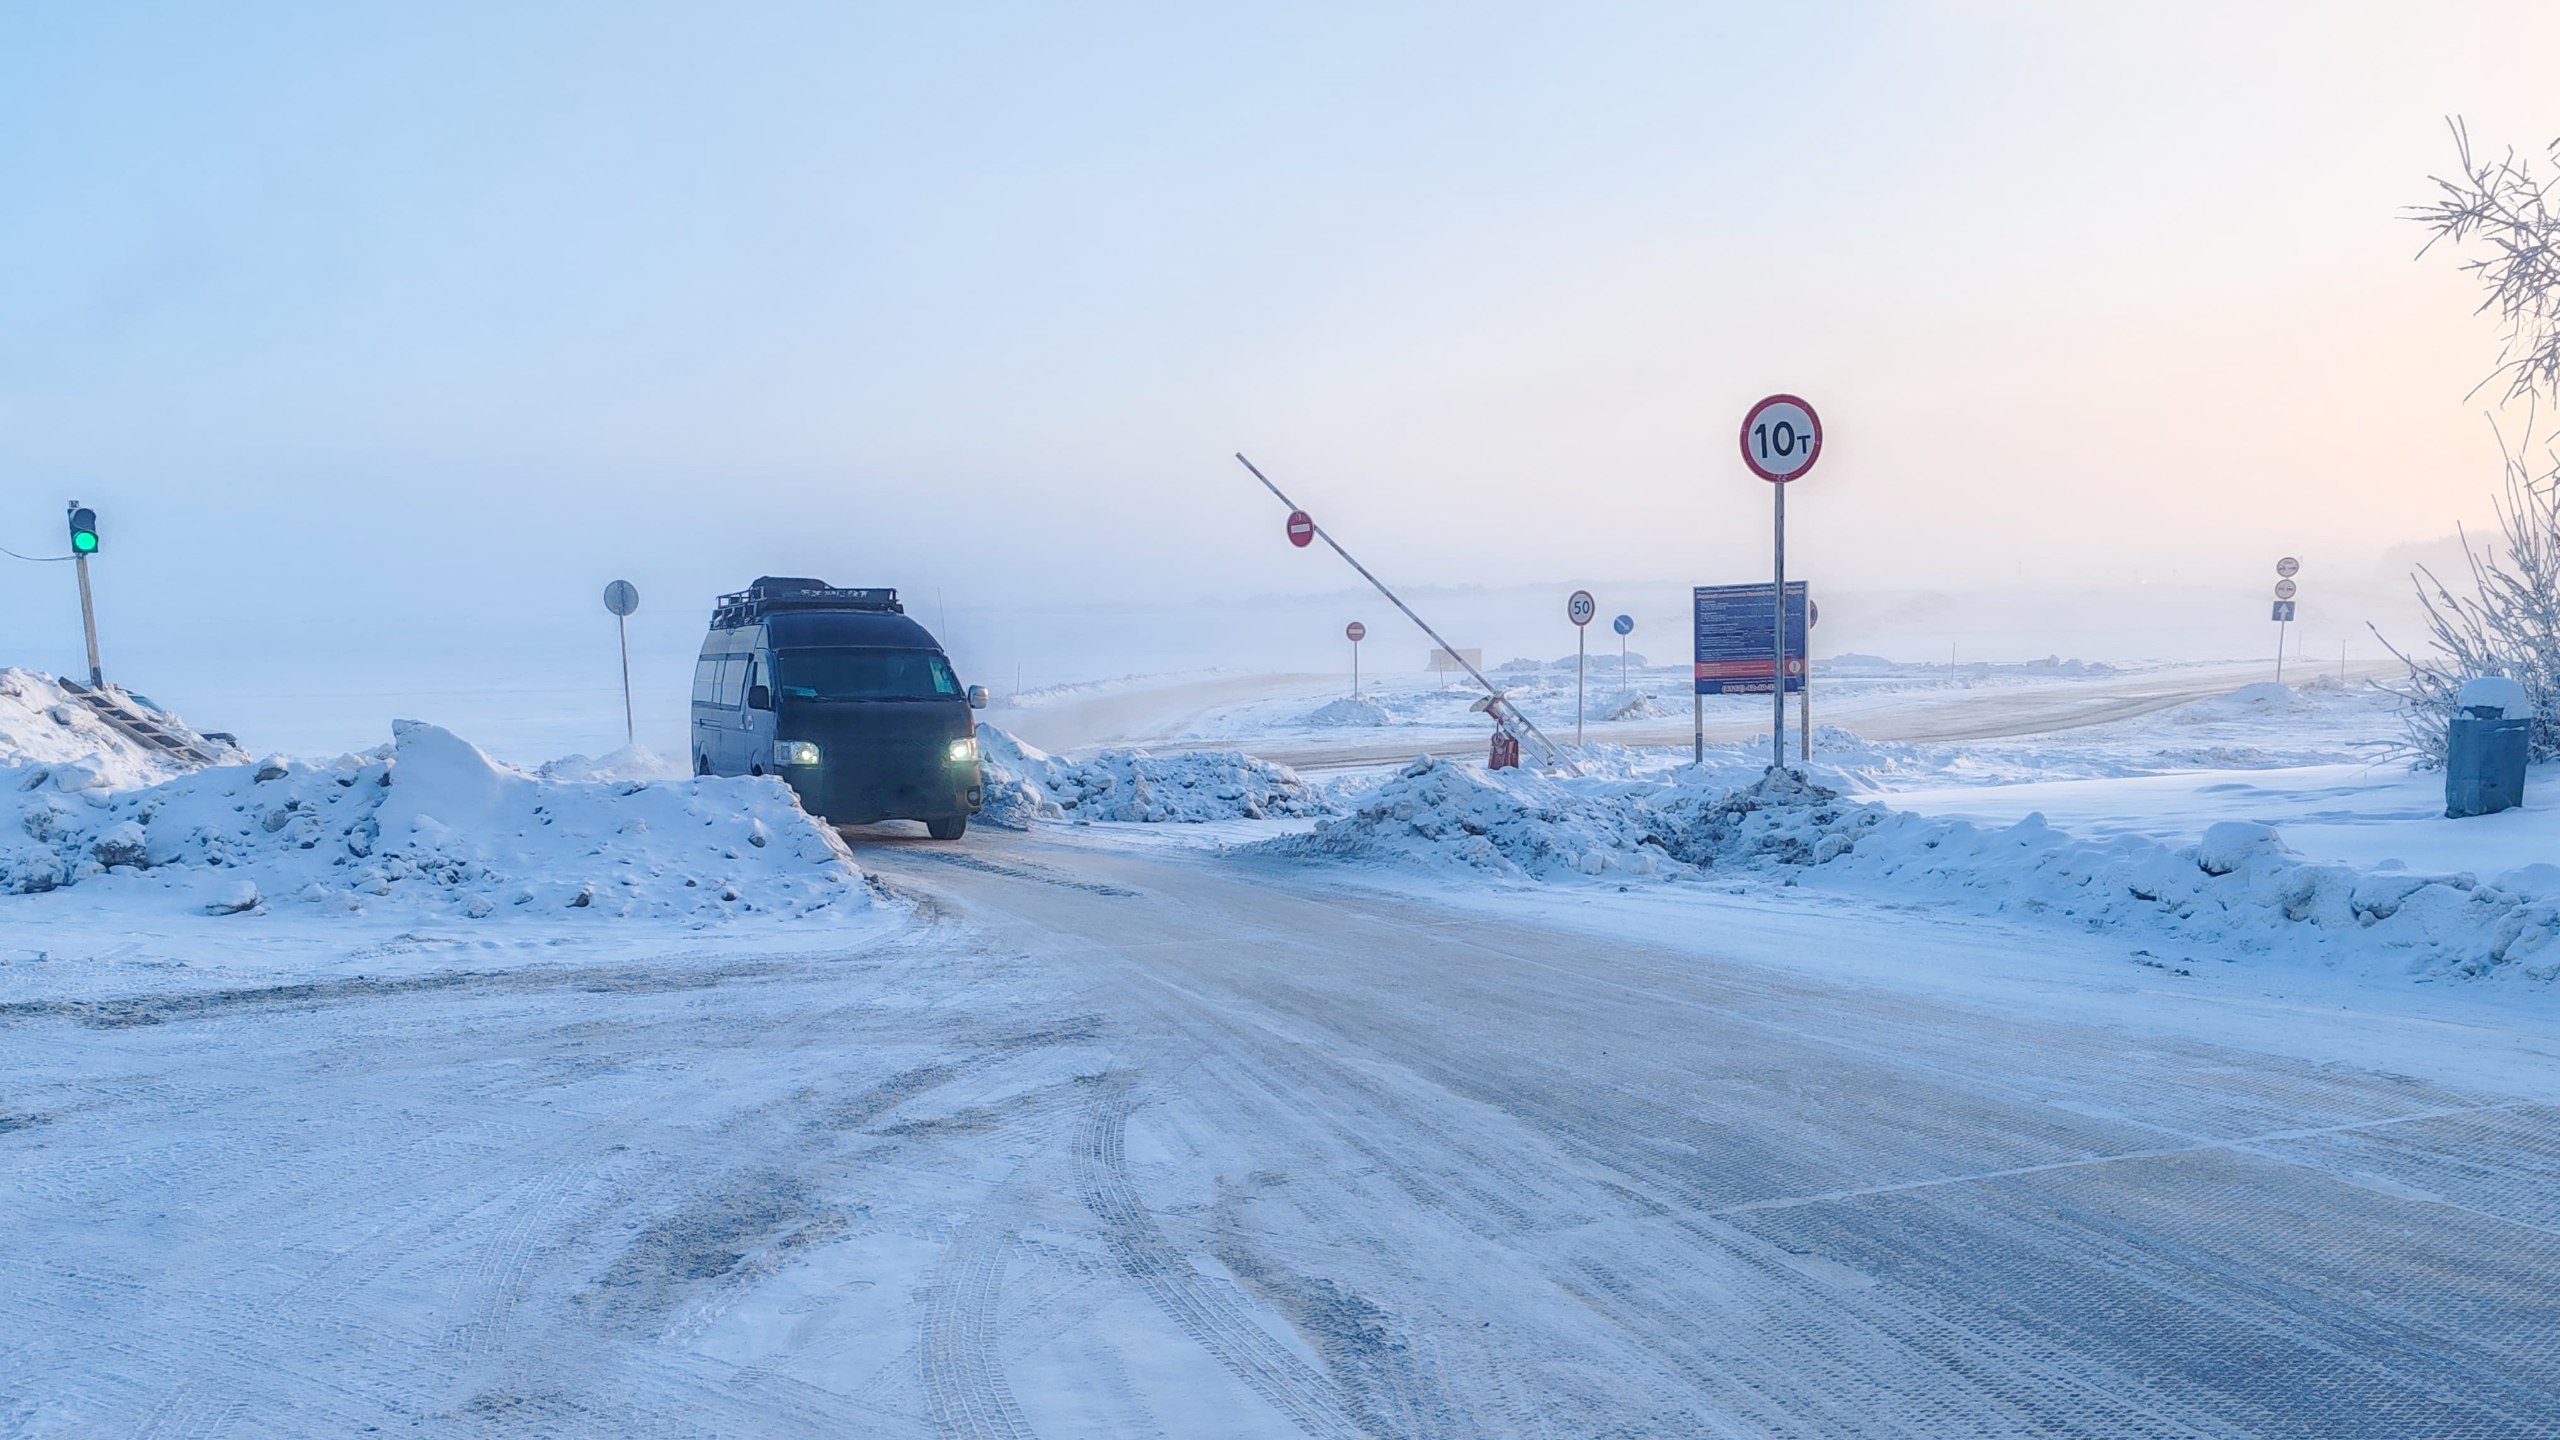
374 333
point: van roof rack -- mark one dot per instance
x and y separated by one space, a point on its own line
785 592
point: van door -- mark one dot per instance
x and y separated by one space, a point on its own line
706 710
756 727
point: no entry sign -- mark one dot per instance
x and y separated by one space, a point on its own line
1302 529
1355 632
1781 438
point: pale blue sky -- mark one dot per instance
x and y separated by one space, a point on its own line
446 312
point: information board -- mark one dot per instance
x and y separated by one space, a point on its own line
1733 623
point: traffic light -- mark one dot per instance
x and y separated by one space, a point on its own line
84 530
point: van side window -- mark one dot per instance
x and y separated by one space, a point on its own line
706 680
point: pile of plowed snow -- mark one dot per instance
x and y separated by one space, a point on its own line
2239 885
1023 784
427 822
1349 712
40 724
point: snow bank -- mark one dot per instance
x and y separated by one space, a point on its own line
2238 887
631 762
40 724
428 822
1023 783
1348 712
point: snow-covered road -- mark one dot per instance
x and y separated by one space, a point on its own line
1121 1141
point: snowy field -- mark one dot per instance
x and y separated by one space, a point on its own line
2088 1049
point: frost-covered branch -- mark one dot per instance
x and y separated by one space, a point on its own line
2502 206
2508 625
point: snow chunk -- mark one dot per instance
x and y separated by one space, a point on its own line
2231 844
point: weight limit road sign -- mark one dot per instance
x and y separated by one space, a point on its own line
1781 438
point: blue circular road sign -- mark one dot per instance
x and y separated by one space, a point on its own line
1624 624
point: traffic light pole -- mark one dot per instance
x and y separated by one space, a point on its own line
88 620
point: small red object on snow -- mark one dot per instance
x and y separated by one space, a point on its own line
1506 752
1302 529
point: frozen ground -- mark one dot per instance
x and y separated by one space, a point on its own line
1221 1127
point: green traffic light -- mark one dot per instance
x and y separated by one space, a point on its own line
85 542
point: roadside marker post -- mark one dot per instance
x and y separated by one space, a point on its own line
2286 569
1804 691
1311 532
1579 609
1355 632
622 597
1781 438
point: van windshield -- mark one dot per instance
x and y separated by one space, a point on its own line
846 674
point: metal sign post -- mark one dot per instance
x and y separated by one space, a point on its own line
622 597
1781 438
1355 632
1804 691
1579 609
1625 625
2286 569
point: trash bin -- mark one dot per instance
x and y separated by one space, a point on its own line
2485 748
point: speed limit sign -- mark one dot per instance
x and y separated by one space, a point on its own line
1781 438
1581 607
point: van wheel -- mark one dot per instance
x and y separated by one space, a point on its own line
701 763
755 769
951 829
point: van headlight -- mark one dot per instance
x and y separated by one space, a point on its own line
964 749
795 752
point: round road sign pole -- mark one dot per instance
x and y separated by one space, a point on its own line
1579 609
1781 438
622 597
630 729
1778 666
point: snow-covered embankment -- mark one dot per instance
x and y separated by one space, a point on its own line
2237 889
425 823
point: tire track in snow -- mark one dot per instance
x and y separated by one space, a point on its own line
1217 1322
964 1380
